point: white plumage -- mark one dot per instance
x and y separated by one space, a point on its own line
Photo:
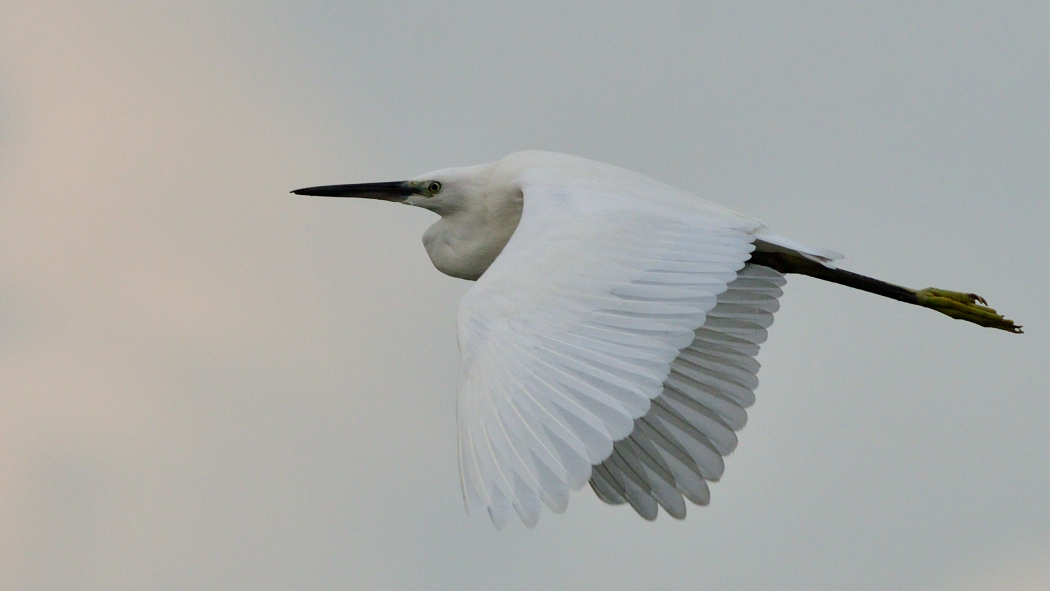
603 344
612 332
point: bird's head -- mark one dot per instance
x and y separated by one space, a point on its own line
443 191
479 209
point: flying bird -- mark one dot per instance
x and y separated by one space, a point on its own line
611 332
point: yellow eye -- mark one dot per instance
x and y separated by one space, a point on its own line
433 187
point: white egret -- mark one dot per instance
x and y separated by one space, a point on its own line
612 331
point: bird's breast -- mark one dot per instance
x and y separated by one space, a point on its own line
465 246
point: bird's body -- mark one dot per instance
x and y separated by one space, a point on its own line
612 331
476 226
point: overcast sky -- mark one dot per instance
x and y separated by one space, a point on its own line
207 383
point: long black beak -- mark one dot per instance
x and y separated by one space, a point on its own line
391 191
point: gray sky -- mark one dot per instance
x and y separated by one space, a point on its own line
208 383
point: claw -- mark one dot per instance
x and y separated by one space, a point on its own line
964 306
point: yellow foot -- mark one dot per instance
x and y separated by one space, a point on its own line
964 306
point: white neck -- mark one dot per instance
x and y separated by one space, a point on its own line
470 235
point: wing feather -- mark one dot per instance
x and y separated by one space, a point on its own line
574 330
636 489
711 382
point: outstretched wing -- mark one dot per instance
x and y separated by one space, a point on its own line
574 330
679 444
